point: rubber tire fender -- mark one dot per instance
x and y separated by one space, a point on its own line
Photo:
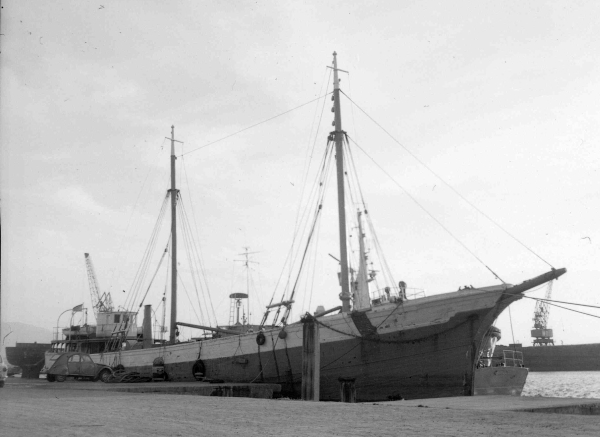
197 369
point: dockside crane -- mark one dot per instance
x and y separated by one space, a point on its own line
541 333
100 302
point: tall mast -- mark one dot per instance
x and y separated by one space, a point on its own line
173 192
339 153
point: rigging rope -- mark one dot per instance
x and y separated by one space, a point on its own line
256 124
387 272
551 302
571 309
448 185
425 210
154 276
559 301
198 247
144 264
191 252
130 218
316 195
323 180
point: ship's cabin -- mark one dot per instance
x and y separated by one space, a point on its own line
116 322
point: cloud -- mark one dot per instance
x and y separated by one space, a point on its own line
75 197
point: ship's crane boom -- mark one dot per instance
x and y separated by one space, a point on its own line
540 331
100 302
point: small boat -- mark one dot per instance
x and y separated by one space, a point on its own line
495 375
392 342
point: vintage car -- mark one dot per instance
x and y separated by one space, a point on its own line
79 366
3 372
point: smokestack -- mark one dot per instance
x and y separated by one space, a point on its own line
147 327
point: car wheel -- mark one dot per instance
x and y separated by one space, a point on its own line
105 375
60 378
50 378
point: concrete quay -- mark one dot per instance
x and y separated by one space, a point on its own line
38 408
263 391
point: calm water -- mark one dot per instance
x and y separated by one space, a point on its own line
563 384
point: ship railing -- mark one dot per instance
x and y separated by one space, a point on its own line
513 358
382 296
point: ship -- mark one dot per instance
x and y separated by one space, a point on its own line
559 358
504 374
29 357
391 342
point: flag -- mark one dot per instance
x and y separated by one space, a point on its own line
78 308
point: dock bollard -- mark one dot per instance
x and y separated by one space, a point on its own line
347 390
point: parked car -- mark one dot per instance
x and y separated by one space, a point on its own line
79 366
3 372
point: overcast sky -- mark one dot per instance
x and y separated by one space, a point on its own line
500 99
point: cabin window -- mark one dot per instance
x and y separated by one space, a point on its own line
74 359
86 359
117 318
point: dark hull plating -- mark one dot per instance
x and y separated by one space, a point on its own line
29 357
421 348
436 361
561 358
421 363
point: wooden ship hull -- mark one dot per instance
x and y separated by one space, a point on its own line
421 348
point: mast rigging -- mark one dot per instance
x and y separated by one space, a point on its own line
174 192
338 135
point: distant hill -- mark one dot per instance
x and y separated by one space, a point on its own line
13 332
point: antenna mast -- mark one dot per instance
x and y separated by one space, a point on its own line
247 263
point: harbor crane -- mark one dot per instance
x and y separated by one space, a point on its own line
100 302
541 333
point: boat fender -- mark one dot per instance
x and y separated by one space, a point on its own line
282 334
260 339
199 370
158 369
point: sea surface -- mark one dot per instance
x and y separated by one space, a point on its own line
563 384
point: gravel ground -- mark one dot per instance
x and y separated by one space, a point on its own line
37 408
